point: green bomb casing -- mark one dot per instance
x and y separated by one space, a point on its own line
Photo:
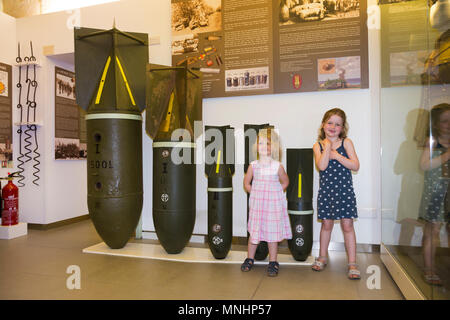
300 195
174 102
110 73
220 188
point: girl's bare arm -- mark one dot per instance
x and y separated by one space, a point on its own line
322 158
352 161
428 163
284 179
248 179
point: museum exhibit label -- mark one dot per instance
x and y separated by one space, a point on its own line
272 46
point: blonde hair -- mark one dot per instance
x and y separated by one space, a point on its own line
332 112
271 135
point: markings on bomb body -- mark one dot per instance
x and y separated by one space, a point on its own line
101 164
217 240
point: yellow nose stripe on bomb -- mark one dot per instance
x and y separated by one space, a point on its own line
299 185
218 162
165 125
126 81
102 81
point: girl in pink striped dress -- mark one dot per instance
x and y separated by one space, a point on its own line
266 181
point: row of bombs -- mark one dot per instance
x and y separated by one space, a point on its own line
174 199
174 194
115 84
299 196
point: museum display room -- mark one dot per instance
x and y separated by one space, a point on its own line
131 124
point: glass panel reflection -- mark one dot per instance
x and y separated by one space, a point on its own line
415 139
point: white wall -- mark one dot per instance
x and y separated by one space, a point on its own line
296 115
9 44
7 54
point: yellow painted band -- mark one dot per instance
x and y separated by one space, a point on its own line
126 81
218 162
165 126
299 185
102 81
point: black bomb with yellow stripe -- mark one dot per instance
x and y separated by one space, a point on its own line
110 74
174 103
220 188
300 205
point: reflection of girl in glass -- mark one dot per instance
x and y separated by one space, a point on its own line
435 162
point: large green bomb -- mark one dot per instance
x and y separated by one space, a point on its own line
174 102
110 73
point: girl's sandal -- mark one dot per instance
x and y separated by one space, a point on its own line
353 272
247 265
272 269
320 263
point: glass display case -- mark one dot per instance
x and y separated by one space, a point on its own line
415 141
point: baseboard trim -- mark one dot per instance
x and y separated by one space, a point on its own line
36 226
401 278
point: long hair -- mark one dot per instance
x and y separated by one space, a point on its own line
328 115
435 115
272 136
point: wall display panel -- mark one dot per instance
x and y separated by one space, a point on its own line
6 156
70 125
272 46
408 40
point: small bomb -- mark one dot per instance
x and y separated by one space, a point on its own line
300 194
220 189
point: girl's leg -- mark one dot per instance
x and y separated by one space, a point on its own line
273 251
251 249
349 239
435 232
325 236
250 260
350 247
272 268
427 240
430 241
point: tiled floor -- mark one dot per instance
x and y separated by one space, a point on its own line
34 267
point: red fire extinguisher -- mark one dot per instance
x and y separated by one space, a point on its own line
10 199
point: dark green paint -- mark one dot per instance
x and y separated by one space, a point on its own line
114 160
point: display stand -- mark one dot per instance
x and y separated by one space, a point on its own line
15 231
189 254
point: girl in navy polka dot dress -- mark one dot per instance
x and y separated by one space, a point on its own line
335 158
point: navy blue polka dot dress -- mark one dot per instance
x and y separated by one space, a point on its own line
336 199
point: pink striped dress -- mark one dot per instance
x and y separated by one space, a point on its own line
268 217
